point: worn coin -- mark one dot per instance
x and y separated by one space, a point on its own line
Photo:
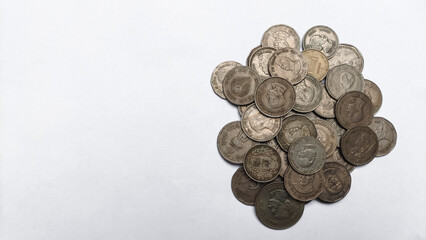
294 127
386 134
337 182
338 158
260 59
258 126
283 155
339 129
242 109
289 64
317 63
342 79
359 145
354 109
303 187
218 75
374 93
244 188
248 60
240 84
306 155
347 54
275 208
321 38
275 97
308 95
262 163
310 115
326 106
281 36
326 135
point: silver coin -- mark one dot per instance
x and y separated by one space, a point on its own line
260 59
218 74
294 127
258 126
306 155
374 93
342 79
308 94
326 135
289 64
239 85
339 129
386 134
321 38
326 106
347 54
281 36
284 162
275 97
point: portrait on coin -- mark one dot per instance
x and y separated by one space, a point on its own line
320 42
307 156
279 205
280 40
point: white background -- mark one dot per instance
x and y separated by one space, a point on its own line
108 122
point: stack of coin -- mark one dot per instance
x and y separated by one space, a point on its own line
307 120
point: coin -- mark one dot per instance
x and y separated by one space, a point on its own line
239 85
326 105
218 74
275 208
326 135
338 158
294 127
303 187
262 163
283 155
374 93
321 38
337 182
251 55
306 155
260 59
386 135
281 36
339 129
289 64
242 109
354 109
359 145
275 97
244 188
347 54
342 79
317 63
233 143
258 126
308 94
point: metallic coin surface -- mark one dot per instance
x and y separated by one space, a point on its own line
321 38
262 163
386 134
310 115
337 182
338 158
326 106
359 145
244 188
275 208
283 155
218 75
339 129
374 93
289 64
242 109
342 79
294 127
354 109
303 187
258 126
308 94
240 84
260 59
317 63
275 97
326 135
306 155
347 54
281 36
251 55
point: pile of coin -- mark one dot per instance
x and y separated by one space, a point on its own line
307 120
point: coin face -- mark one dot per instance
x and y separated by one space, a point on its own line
242 109
317 63
281 36
308 94
289 64
275 97
354 109
321 38
386 135
326 106
260 59
240 84
275 208
303 187
337 182
233 143
347 54
244 188
342 79
338 158
339 129
283 155
262 163
306 155
258 126
294 127
359 145
251 55
326 135
218 75
374 93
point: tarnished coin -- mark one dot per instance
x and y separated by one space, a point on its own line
258 126
337 182
233 143
242 109
326 135
342 79
275 208
283 155
338 158
339 130
240 84
289 64
218 75
260 59
244 188
248 60
281 36
386 134
275 97
303 187
347 54
321 38
262 163
308 94
294 127
359 145
317 63
306 155
374 93
326 106
354 109
310 115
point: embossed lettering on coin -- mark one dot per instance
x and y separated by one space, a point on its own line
359 145
244 188
258 126
294 127
275 97
306 155
347 54
317 63
281 36
308 94
262 163
303 187
354 109
386 135
289 64
218 74
239 85
342 79
321 38
337 182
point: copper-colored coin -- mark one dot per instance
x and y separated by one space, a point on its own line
240 84
275 208
326 135
281 36
337 182
386 134
338 158
306 155
289 64
283 155
244 188
317 63
339 129
326 106
303 187
359 145
218 75
347 54
308 95
251 55
354 109
374 93
321 38
275 97
294 127
262 163
258 126
342 79
260 59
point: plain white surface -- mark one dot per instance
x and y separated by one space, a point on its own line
108 122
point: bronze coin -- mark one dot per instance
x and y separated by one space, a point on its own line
289 64
317 63
386 134
354 109
244 188
359 145
275 97
374 93
294 127
303 187
262 163
337 182
338 158
240 84
306 155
